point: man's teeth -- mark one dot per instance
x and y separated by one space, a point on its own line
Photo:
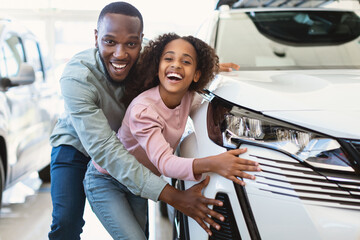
121 66
174 75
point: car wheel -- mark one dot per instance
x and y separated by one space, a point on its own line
44 174
2 180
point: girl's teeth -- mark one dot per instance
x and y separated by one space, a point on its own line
174 75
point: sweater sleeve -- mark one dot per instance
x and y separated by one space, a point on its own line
146 127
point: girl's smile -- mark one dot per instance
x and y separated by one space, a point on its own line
177 70
173 76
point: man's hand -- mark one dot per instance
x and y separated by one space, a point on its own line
228 67
193 204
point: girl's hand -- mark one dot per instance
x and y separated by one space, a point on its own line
228 67
228 165
231 166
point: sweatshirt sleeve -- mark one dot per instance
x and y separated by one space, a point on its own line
146 127
101 143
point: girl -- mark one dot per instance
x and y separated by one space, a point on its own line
172 69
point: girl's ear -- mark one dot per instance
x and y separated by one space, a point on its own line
197 76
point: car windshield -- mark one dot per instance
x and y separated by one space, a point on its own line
289 39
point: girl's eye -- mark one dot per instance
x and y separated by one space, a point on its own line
187 61
167 58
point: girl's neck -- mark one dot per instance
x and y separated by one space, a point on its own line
171 100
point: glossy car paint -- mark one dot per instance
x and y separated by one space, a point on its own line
28 112
277 216
288 200
305 98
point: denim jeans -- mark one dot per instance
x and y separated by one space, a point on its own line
123 214
68 167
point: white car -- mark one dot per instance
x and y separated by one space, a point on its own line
295 105
29 106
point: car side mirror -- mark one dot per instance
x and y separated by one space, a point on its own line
25 76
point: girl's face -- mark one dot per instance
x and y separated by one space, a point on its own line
177 68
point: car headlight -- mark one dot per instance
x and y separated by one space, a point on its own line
230 125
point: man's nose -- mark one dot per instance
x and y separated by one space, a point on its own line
120 52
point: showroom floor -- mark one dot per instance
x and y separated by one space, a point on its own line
28 217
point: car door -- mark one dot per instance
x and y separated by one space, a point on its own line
46 94
23 126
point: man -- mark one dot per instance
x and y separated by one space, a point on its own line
92 86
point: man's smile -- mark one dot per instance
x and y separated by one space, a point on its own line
117 66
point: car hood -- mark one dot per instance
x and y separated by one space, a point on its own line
326 101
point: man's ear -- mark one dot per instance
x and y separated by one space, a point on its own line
197 76
96 38
141 42
142 37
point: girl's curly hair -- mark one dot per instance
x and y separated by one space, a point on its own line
147 68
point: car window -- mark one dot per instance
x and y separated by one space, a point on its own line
12 56
33 57
307 28
255 42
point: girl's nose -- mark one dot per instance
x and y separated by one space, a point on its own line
176 64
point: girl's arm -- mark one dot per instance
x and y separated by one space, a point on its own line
146 128
228 165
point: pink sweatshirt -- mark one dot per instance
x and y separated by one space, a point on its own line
151 132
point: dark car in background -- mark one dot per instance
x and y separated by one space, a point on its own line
29 106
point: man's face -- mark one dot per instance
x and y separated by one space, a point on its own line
119 40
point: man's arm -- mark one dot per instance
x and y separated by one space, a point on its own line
101 143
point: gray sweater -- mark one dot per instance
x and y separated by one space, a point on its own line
93 114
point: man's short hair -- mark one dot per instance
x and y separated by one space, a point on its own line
123 8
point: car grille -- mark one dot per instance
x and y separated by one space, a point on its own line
283 175
229 229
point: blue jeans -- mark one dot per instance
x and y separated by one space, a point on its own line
123 214
68 167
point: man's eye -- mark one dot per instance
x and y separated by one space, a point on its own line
132 44
109 41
